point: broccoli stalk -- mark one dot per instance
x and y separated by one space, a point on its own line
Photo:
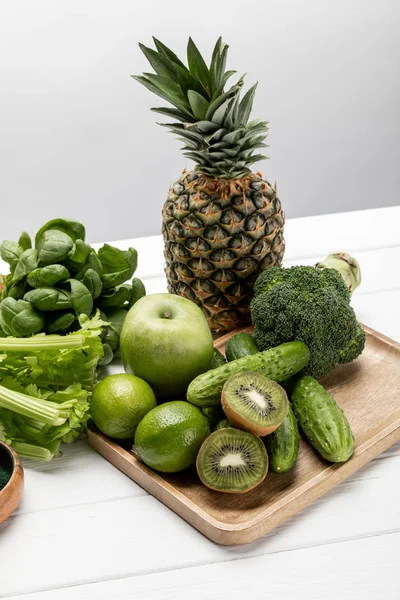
309 305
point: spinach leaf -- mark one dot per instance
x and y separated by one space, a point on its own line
10 253
49 299
115 318
17 290
74 229
54 246
60 321
107 357
115 297
27 262
80 297
93 283
138 291
47 276
25 240
19 318
79 257
92 262
118 265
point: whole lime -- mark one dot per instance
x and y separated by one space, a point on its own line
169 437
119 402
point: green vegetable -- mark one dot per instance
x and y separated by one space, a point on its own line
346 265
35 421
283 444
75 230
112 333
48 299
217 360
79 257
137 291
19 318
322 421
241 344
56 360
80 296
62 278
108 355
115 297
10 253
118 265
214 414
54 246
25 241
277 364
47 276
59 321
92 280
92 262
304 303
27 262
17 290
45 382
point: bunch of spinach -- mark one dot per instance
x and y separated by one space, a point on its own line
62 277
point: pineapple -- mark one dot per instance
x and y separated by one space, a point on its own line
222 223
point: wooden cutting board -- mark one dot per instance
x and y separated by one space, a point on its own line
368 390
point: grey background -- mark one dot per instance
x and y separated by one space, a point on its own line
77 138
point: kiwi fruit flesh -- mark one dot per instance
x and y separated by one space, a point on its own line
254 403
232 461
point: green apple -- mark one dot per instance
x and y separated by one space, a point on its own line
165 340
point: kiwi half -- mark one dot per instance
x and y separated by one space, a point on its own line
254 403
232 461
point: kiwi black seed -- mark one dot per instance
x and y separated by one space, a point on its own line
232 461
254 403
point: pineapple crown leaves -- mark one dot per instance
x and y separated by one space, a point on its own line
212 123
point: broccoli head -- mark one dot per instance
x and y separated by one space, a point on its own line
312 306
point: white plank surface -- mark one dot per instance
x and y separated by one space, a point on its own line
84 530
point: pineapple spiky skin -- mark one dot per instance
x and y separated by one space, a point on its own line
219 234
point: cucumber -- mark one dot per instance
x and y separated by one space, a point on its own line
322 421
214 414
217 359
276 363
283 445
241 344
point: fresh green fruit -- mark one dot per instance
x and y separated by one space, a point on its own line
276 363
232 461
169 437
165 340
283 444
217 360
222 424
119 402
254 403
241 344
322 421
213 414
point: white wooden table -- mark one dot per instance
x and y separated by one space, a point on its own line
85 531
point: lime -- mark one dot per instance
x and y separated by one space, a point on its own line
119 402
169 437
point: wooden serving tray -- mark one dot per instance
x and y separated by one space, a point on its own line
369 392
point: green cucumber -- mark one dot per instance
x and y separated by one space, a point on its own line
214 414
276 363
217 359
241 344
283 445
322 421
